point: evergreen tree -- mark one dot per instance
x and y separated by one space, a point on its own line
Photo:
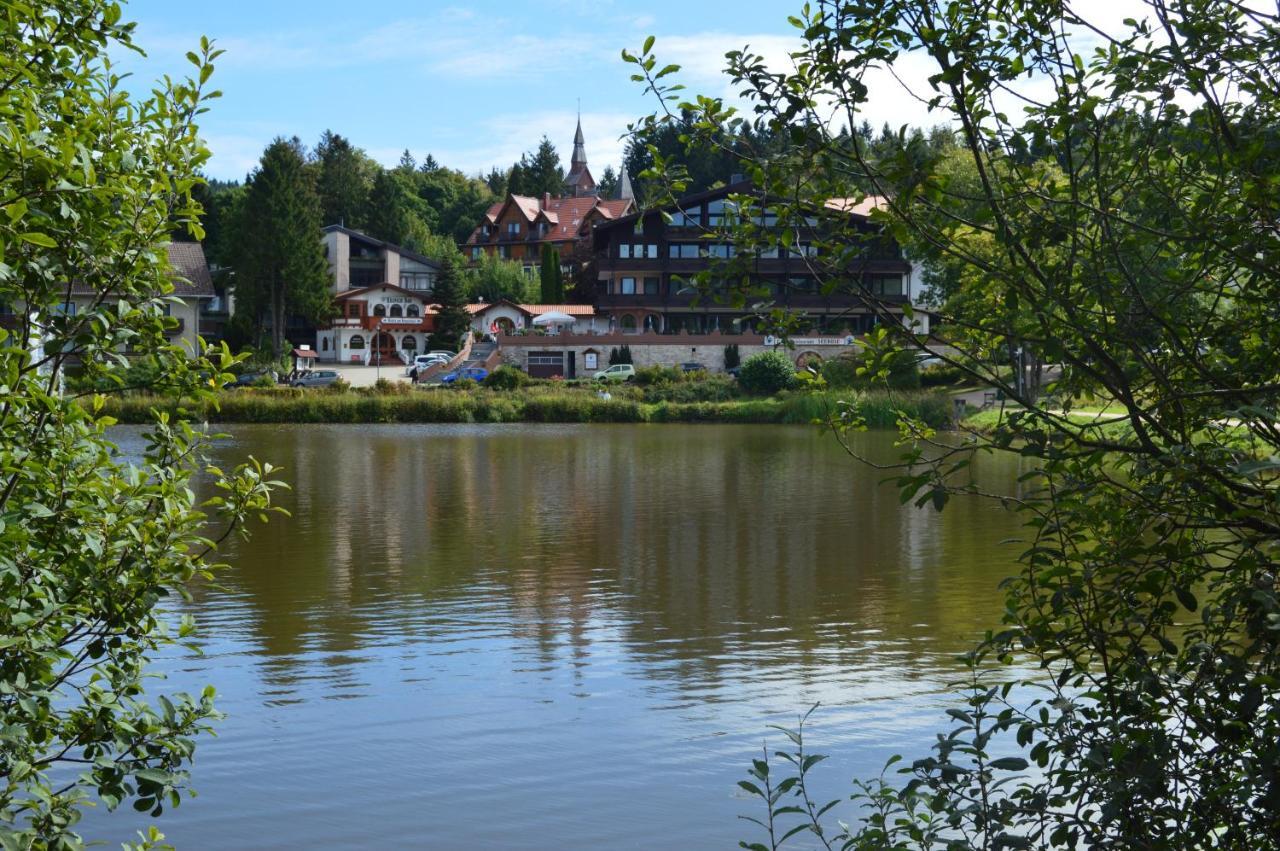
387 216
538 174
452 319
407 162
497 181
343 178
608 185
280 267
430 165
551 278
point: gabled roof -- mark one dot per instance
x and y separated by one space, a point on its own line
190 278
534 309
567 216
424 297
380 243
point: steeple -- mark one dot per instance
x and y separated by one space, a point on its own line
579 180
625 192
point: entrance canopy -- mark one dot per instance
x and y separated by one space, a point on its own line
553 317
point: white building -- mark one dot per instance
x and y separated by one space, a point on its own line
382 293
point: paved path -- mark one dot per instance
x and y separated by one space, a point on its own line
365 376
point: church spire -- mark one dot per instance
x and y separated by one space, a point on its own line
579 180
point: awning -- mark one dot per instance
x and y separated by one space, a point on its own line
305 353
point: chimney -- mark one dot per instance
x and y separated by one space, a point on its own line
546 200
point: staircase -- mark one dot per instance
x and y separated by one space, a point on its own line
480 355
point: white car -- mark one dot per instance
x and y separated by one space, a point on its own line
422 362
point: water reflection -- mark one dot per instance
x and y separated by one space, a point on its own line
456 618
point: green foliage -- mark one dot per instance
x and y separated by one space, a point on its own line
732 356
344 177
452 320
941 375
647 375
96 544
537 173
389 216
551 278
766 373
1119 223
856 370
280 264
506 378
491 278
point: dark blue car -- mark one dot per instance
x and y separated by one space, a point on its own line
475 373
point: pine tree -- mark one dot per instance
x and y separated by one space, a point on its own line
407 162
342 181
497 181
387 216
538 174
452 319
280 267
608 185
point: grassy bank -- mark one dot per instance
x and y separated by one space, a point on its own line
530 404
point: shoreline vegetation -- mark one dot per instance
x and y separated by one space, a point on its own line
533 404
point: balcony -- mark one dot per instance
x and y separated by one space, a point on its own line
508 236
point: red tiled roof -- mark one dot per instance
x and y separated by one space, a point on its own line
535 309
566 216
854 206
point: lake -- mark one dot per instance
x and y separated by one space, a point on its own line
553 637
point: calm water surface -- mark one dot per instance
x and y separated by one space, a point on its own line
558 637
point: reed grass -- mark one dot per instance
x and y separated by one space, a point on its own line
531 404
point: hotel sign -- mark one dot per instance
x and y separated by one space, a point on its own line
811 341
399 320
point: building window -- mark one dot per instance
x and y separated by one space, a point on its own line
687 218
357 342
409 342
504 251
353 310
324 344
651 324
411 310
627 323
885 284
627 286
379 310
651 285
513 228
648 251
722 250
397 310
477 252
804 249
683 250
721 213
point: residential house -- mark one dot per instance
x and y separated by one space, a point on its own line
518 227
192 291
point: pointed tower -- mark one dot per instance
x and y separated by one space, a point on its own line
625 192
579 181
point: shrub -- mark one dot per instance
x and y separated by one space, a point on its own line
940 375
506 378
649 375
339 386
463 384
767 373
264 382
842 372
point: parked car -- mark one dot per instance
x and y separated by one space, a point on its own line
692 366
475 373
442 354
247 379
618 372
319 378
423 362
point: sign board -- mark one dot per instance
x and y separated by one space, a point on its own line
590 360
812 341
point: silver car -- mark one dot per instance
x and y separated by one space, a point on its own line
319 378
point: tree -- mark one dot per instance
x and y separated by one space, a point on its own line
551 278
608 185
496 180
1126 217
452 320
344 177
766 373
280 266
92 542
539 173
491 278
387 216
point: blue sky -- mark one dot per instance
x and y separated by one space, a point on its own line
473 84
476 84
